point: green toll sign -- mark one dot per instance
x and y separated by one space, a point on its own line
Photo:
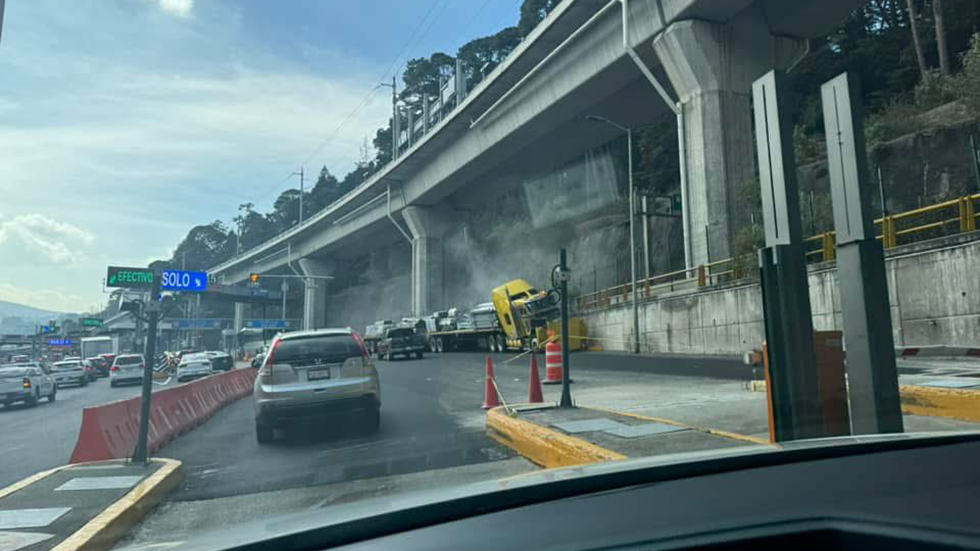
91 322
129 277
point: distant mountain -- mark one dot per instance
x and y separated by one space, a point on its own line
8 309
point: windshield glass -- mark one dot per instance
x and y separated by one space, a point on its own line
336 347
325 252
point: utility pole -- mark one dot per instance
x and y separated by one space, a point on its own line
301 180
152 308
394 116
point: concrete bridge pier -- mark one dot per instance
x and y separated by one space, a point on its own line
315 291
427 225
711 66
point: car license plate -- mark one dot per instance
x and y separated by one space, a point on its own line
317 374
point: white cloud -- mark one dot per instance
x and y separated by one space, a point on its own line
46 299
56 241
180 8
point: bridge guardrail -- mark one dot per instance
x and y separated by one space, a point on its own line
961 213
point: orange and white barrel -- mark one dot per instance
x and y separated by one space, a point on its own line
554 372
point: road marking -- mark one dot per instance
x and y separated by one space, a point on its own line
99 483
30 518
12 541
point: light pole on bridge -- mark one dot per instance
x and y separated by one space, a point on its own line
632 191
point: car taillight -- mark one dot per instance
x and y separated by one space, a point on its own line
114 368
360 342
266 368
27 383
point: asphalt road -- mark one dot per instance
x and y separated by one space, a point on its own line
431 419
37 438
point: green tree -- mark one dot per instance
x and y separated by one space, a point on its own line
326 190
532 13
424 76
203 247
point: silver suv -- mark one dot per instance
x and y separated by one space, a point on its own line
308 375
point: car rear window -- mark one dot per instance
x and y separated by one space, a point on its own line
13 373
397 333
323 347
129 360
66 366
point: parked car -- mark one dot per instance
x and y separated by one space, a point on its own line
26 383
307 375
100 364
193 366
70 372
127 368
221 361
401 340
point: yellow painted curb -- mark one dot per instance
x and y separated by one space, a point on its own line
28 481
715 432
953 403
109 526
544 446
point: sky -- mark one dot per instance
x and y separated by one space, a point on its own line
124 123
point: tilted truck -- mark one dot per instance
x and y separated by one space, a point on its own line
519 317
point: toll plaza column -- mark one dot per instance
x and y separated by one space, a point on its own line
711 66
427 225
315 294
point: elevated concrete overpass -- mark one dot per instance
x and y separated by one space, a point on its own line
629 60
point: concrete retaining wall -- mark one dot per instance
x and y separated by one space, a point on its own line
934 291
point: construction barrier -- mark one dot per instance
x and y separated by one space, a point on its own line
110 431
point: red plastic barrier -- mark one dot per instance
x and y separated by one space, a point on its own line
109 431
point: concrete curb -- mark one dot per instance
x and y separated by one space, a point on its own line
952 403
109 526
544 446
936 350
706 430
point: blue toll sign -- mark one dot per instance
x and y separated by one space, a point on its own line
59 342
180 280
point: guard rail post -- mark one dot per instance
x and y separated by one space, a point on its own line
702 276
968 220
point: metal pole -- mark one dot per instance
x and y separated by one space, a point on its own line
881 192
301 177
636 311
394 118
566 391
976 158
141 454
813 230
644 206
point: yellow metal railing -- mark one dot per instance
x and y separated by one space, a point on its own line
729 269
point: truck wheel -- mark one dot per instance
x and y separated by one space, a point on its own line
442 345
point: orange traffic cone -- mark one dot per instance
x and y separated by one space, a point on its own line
491 399
534 395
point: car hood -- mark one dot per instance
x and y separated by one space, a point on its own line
456 501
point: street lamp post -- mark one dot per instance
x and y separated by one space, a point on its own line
632 192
